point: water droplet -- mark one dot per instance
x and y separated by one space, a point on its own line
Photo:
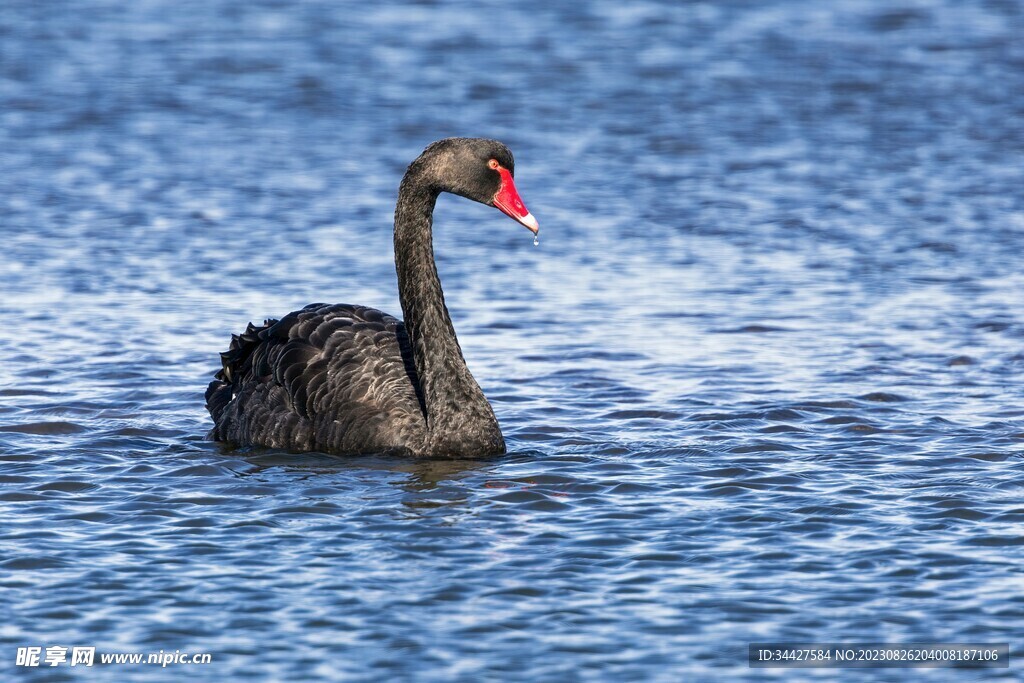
536 238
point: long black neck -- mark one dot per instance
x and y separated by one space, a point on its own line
455 405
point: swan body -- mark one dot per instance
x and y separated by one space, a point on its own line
350 379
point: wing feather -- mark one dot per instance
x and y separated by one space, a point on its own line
336 378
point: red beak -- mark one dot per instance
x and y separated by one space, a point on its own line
508 201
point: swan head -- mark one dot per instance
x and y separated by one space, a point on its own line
478 169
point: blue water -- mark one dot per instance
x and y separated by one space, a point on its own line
762 380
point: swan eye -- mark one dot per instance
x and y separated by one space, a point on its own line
493 163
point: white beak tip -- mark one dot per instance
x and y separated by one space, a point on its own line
530 222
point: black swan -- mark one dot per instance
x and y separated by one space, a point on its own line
347 379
